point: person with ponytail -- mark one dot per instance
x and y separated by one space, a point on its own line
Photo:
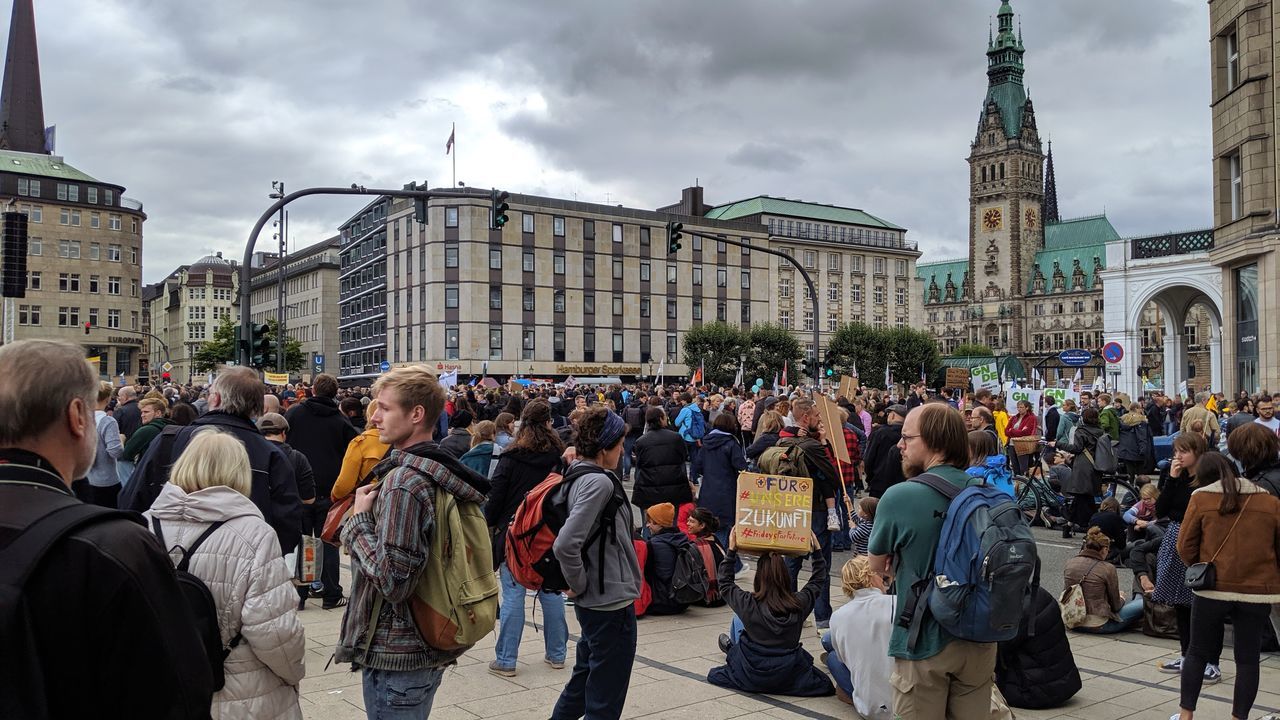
1233 525
762 650
1105 606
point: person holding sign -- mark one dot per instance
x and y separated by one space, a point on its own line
762 650
1023 425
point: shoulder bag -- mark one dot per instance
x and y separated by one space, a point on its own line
1203 575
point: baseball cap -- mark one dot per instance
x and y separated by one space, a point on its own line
272 423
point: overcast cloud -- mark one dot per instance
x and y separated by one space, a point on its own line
197 107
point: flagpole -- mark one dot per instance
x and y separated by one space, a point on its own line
453 130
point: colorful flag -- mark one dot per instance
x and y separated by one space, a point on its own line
697 376
784 373
449 145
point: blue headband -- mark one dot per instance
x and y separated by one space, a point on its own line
613 430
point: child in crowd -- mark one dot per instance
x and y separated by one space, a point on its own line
986 461
666 543
863 519
763 653
1143 512
857 644
702 525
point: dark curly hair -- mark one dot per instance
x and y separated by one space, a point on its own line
590 428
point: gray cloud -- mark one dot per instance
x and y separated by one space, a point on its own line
197 107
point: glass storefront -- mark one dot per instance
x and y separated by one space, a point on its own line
1247 328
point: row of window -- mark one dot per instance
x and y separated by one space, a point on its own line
835 293
30 187
528 346
202 293
1059 308
834 321
364 303
69 316
71 249
70 282
833 233
835 263
201 312
71 217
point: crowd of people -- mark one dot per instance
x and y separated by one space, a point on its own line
129 497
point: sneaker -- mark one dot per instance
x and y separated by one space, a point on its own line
833 520
1212 674
843 697
555 664
500 671
340 602
1173 667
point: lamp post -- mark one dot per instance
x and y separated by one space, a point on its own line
277 192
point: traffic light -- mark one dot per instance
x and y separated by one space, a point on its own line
86 327
262 347
499 208
13 274
419 204
165 376
673 236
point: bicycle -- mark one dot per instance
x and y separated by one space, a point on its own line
1037 500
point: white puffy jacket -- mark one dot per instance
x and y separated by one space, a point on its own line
252 588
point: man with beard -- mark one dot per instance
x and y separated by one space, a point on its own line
940 675
105 624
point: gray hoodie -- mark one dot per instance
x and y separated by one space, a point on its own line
580 563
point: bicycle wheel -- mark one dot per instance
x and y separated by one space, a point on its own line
1123 490
1027 498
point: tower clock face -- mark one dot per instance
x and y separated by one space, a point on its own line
992 219
1030 218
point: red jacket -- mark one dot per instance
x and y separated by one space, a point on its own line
1022 426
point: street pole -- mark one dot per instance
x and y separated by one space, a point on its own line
813 294
277 191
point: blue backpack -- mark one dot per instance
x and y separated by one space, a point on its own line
697 423
985 570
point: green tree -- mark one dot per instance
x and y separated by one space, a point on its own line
718 346
770 348
219 350
972 350
911 351
293 359
904 350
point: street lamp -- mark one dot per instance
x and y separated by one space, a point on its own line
277 192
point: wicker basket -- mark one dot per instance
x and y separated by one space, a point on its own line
1028 445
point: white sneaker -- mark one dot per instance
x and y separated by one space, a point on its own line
833 520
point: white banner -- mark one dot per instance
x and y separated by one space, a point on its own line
985 377
449 379
1062 394
1015 396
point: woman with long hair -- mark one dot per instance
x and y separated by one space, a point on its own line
1082 484
531 456
1257 449
1024 424
763 653
1233 525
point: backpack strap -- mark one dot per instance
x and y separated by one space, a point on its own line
943 486
918 603
188 551
24 554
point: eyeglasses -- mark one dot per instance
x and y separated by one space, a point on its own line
906 437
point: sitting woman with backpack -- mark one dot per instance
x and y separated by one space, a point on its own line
666 543
763 653
204 518
1106 611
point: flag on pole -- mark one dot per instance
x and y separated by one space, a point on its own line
855 368
888 378
784 373
1036 382
661 366
448 146
737 380
776 388
697 376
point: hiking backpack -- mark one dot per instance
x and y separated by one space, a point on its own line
539 519
985 570
144 487
1104 455
199 600
697 423
784 459
694 579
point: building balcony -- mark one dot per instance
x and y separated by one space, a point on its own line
1171 244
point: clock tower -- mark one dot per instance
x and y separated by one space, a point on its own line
1006 196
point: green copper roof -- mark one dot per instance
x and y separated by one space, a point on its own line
50 166
1011 98
1082 241
766 205
1096 230
1004 73
937 272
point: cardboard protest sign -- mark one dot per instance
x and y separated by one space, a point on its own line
774 512
848 387
957 377
830 413
985 377
1019 394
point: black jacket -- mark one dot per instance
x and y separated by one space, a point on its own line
763 442
320 431
1266 477
718 464
301 470
456 443
129 417
660 475
1038 671
518 472
274 489
1051 419
664 548
105 612
633 415
883 459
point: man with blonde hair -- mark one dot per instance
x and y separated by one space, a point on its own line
96 619
235 399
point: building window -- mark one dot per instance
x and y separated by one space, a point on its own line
644 306
697 275
671 273
588 304
617 268
833 322
557 226
33 280
784 287
526 222
878 297
95 220
557 345
495 298
527 261
672 309
808 321
113 285
644 271
451 217
589 229
495 259
900 296
644 237
589 345
878 265
722 311
746 279
113 319
64 216
810 259
451 343
528 299
450 296
1233 60
833 292
588 265
450 255
901 267
557 301
1235 174
617 305
697 243
91 194
495 343
722 277
68 316
113 222
557 263
617 347
833 261
672 344
527 345
617 233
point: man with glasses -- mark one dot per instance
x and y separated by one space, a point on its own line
1267 414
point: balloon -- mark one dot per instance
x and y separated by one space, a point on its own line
760 382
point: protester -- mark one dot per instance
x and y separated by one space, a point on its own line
666 544
633 415
1267 415
153 422
389 535
1109 520
1024 424
108 627
1234 525
940 671
603 595
505 424
363 452
763 653
857 644
206 504
986 461
766 435
719 463
235 398
1105 607
864 522
661 455
480 457
691 424
1082 485
275 429
1134 451
1036 670
458 441
883 459
527 461
702 526
1257 449
128 414
1068 419
103 482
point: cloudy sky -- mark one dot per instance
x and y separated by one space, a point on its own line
197 107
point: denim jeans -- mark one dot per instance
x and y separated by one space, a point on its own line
511 622
602 671
735 628
822 606
628 446
694 449
400 694
1129 614
839 671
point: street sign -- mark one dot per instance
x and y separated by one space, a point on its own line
1112 352
319 361
385 366
1076 358
168 366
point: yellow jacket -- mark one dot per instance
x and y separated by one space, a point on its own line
1002 421
363 452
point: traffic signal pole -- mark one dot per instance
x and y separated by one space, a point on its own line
813 294
246 316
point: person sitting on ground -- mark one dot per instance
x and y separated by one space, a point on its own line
864 521
1143 512
481 457
1036 670
1105 608
666 543
987 462
1111 522
857 645
763 653
702 527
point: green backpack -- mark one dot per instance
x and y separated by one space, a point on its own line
784 459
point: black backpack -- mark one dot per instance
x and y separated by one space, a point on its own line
694 580
28 687
200 602
146 483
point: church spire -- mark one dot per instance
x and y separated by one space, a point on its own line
21 104
1005 72
1050 214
